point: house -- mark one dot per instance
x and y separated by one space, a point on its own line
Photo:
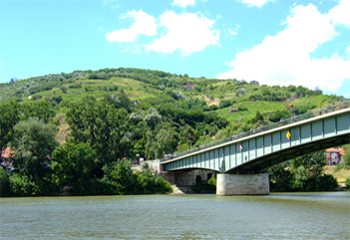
191 86
6 154
5 157
233 110
137 102
333 155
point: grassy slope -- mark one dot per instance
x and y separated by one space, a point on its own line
261 106
341 176
133 88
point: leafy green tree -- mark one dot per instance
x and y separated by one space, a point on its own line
5 190
346 160
152 118
190 134
73 163
281 178
9 117
347 184
34 141
166 142
64 89
258 116
119 101
135 117
41 109
147 183
120 178
102 126
307 169
276 116
21 185
224 103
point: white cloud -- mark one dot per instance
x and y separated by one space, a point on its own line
284 59
234 30
341 14
144 24
255 3
184 3
187 32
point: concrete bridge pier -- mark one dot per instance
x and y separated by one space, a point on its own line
242 184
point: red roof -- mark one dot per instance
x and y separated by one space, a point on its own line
336 150
6 153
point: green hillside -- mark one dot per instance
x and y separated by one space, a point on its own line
88 122
164 91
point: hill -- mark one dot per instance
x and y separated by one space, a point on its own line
113 114
172 95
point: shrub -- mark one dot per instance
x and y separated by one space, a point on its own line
93 76
212 181
347 184
5 190
224 103
21 185
326 183
64 89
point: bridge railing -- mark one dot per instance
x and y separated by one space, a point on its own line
298 118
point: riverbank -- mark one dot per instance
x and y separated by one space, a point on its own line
341 176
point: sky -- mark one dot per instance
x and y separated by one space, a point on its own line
275 42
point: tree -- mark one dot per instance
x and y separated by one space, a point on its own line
346 160
307 169
281 179
63 89
120 178
224 103
34 141
152 118
41 109
102 126
241 91
258 116
190 134
73 163
9 117
119 101
135 117
165 141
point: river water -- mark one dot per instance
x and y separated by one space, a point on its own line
276 216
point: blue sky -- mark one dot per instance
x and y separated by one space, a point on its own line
276 42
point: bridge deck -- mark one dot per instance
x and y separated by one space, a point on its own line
260 150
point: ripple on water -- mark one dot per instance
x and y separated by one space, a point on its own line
277 216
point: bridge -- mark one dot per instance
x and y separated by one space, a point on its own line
240 160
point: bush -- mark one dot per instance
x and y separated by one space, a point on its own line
276 116
76 85
212 181
347 184
224 103
22 186
5 190
93 76
64 89
326 183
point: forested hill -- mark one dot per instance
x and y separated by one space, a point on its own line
157 104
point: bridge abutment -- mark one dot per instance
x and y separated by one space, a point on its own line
242 184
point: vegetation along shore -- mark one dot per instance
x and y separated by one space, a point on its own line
79 133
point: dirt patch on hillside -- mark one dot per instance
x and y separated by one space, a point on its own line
63 128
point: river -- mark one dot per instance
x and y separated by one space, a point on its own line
276 216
